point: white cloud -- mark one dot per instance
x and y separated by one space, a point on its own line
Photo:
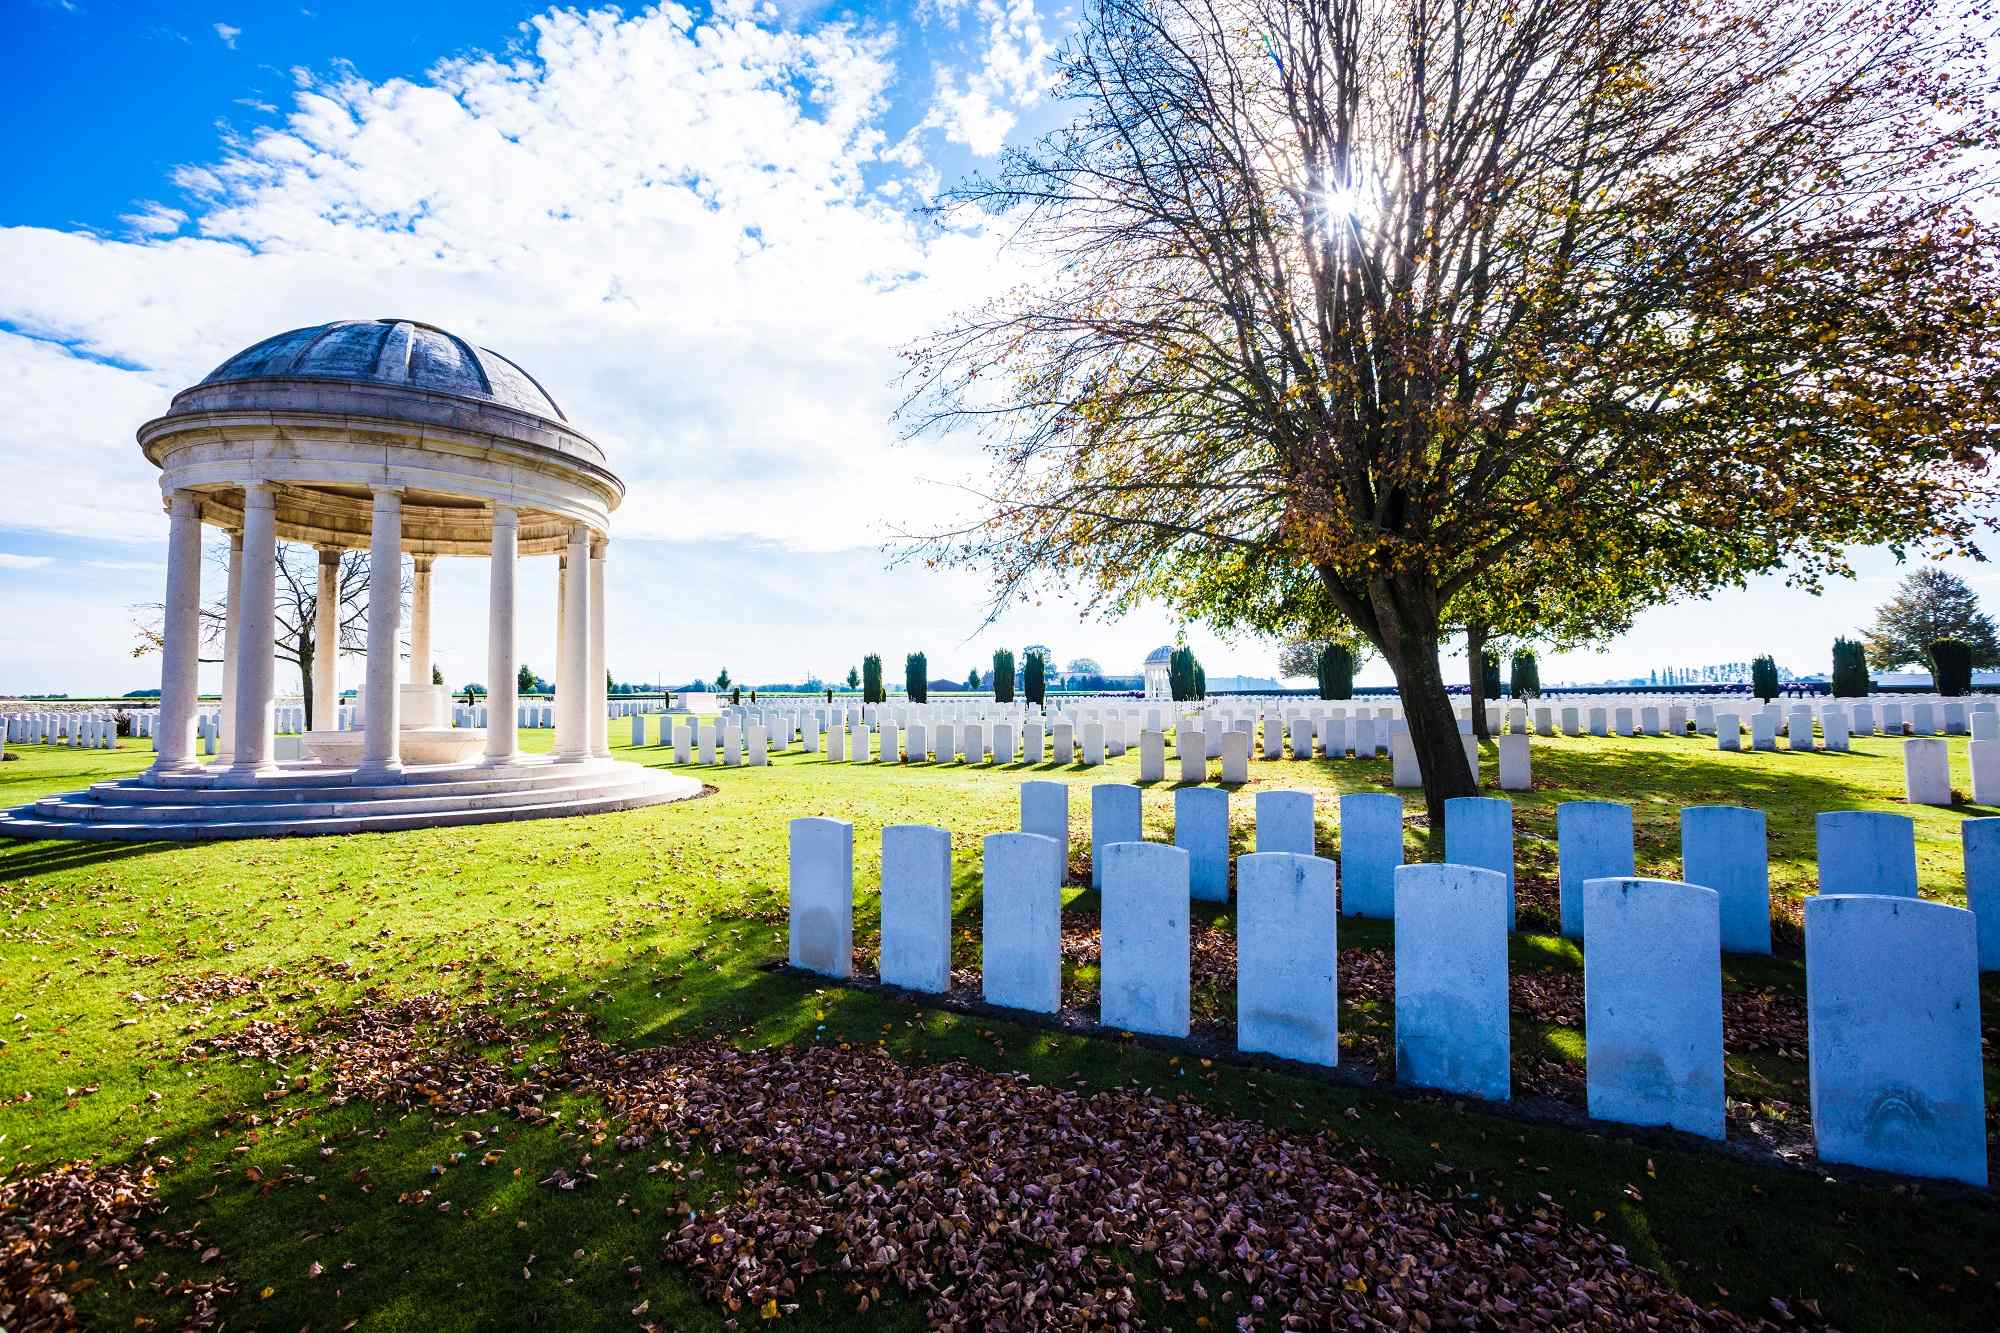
228 34
9 560
155 219
980 107
665 219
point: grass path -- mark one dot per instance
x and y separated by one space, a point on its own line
658 924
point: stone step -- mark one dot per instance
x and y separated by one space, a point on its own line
538 777
311 775
393 801
20 824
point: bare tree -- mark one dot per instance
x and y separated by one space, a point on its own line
297 611
1404 295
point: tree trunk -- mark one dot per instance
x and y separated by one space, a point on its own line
1409 643
1475 652
306 677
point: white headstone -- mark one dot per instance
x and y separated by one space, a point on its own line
1152 756
1201 829
1116 815
1285 822
1235 756
1192 747
1984 758
1403 769
1981 843
1451 980
1723 847
1593 841
1287 993
822 896
1021 922
1652 995
1143 978
1892 1010
1927 771
1870 852
916 907
1045 811
1515 774
1371 849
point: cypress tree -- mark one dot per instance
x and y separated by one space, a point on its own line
1489 675
1525 682
1200 681
1850 669
1180 675
871 680
1952 672
1003 675
1336 672
916 678
1764 678
1035 679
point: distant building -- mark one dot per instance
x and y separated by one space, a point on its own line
1158 661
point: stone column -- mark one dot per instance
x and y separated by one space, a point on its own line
600 728
502 745
180 638
225 722
562 619
420 620
256 635
381 756
573 691
326 642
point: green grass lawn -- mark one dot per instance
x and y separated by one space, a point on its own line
659 926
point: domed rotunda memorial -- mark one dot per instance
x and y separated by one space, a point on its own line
396 438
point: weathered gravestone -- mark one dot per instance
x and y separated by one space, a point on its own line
1892 1009
1515 773
1652 987
822 896
1867 852
1981 845
1723 848
916 907
1285 822
1201 829
1371 847
1593 841
1287 993
1451 980
1479 831
1143 976
1926 772
1116 815
1021 922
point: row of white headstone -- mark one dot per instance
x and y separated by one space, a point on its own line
92 729
1892 982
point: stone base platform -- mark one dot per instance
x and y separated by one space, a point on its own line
309 799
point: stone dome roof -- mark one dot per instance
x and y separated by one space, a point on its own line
1161 654
394 352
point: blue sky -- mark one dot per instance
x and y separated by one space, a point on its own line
694 225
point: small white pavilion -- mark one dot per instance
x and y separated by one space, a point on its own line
1159 663
397 438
